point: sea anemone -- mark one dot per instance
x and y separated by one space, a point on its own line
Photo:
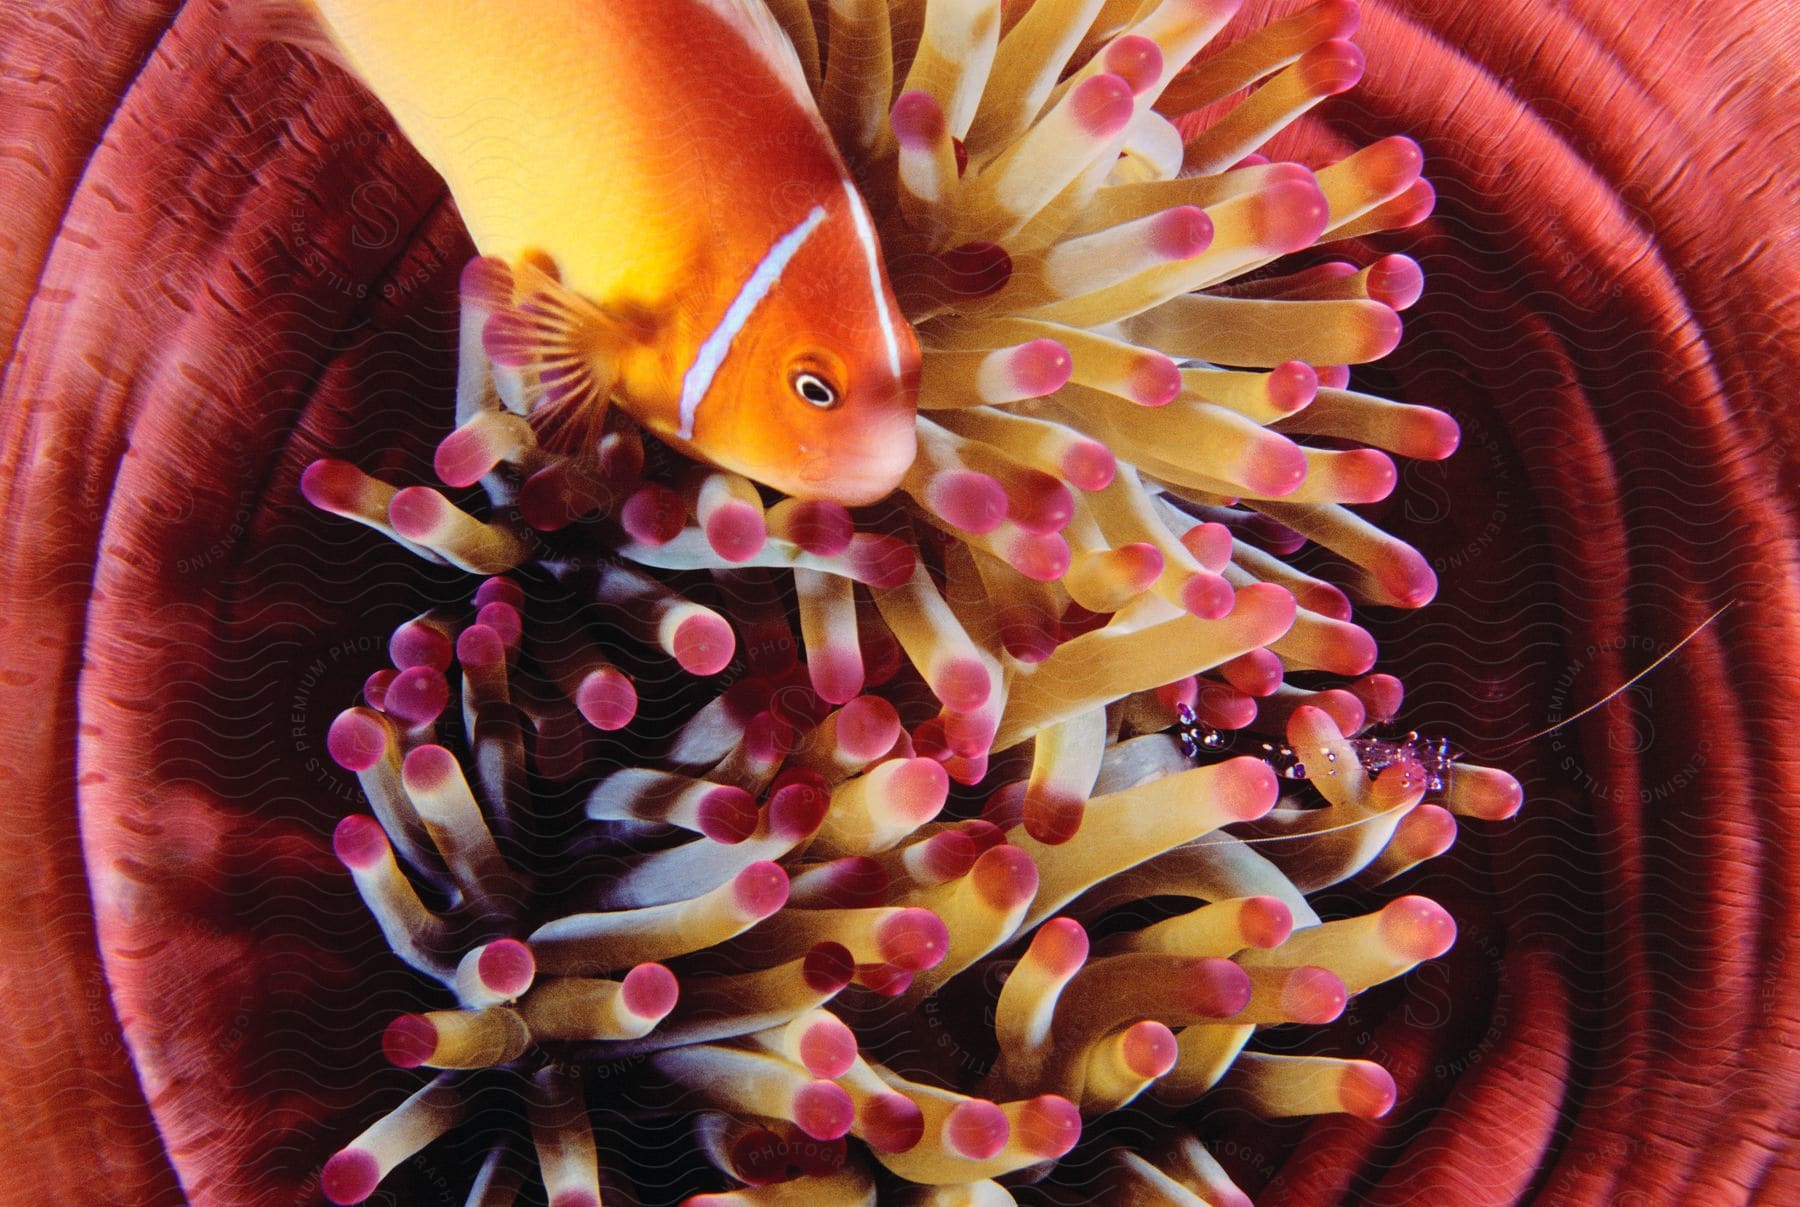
215 218
693 950
1098 467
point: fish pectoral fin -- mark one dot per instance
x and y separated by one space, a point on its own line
564 350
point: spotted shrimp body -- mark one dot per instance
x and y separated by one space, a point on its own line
711 267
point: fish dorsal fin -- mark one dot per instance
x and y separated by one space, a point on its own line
764 35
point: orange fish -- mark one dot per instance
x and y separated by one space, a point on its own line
725 284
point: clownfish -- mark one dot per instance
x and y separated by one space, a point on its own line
667 157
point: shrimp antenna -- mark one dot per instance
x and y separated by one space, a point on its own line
1618 691
1371 819
1603 700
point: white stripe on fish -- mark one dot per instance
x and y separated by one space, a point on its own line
712 353
872 249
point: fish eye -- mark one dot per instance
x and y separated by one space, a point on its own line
815 390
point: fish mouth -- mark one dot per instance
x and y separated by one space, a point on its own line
861 495
856 480
822 478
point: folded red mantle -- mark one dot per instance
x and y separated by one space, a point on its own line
221 263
